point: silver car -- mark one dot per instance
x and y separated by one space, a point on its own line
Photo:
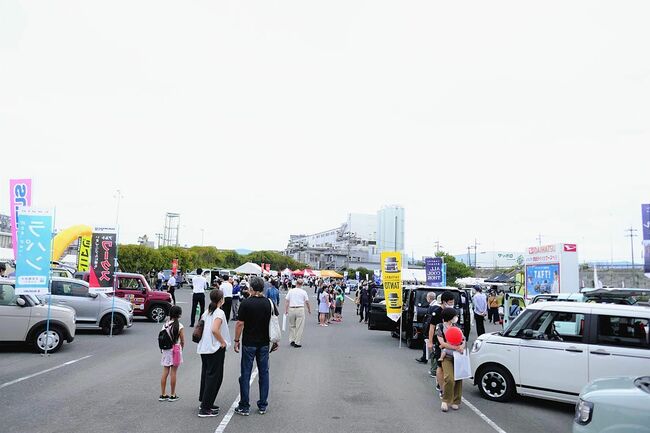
94 310
24 319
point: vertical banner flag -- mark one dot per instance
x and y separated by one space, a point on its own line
102 260
174 267
645 218
433 267
34 251
444 275
268 267
391 273
345 275
357 275
83 253
20 195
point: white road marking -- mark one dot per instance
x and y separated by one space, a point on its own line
484 417
20 379
349 298
226 419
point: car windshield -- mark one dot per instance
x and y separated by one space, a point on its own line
516 325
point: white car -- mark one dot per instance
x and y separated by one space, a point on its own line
553 349
23 319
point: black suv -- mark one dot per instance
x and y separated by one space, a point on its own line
415 309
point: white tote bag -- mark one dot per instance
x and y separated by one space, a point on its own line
275 334
462 367
284 323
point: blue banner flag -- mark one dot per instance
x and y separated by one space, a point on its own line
645 220
34 235
433 269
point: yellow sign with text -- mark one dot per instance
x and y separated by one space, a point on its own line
391 276
83 253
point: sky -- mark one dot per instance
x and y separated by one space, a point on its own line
496 121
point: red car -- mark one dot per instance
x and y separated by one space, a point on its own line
146 302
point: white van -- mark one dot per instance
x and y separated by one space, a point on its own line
553 349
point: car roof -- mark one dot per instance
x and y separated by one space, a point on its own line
588 307
438 288
70 280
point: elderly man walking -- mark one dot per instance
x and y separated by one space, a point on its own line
296 302
480 310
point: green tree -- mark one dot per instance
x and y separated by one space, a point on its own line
455 269
138 258
362 273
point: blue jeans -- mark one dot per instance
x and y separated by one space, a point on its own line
248 354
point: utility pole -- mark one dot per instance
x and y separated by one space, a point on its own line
118 195
469 258
476 244
539 239
159 237
632 235
438 246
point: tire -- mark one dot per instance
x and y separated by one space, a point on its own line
157 313
118 324
411 343
495 383
39 339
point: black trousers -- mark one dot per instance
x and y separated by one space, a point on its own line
197 299
493 315
365 308
227 307
480 324
172 291
211 377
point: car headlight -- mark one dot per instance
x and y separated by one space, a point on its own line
584 412
477 346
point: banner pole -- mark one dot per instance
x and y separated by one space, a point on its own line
49 300
400 330
117 236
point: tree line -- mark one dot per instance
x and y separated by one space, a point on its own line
141 259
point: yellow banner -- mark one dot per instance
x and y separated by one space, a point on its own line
391 276
83 254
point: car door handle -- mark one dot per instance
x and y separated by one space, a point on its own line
600 352
573 350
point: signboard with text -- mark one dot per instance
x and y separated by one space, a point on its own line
434 270
552 269
645 220
391 274
83 253
34 237
20 196
103 258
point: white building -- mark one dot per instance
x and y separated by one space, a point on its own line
390 228
491 259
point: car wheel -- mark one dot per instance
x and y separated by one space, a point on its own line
118 324
157 313
495 383
51 340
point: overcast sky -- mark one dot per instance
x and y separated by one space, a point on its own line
492 120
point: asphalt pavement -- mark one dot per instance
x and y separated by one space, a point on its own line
344 378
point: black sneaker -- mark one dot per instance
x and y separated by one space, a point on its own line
163 397
297 345
293 344
262 411
242 412
213 408
207 413
173 398
421 360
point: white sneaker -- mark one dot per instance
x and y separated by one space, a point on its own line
444 407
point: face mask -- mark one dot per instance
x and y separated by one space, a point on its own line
454 320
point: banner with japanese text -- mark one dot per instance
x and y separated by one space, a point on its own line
34 236
102 260
20 195
391 274
433 267
83 253
174 267
645 218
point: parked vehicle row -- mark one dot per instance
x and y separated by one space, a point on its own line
23 318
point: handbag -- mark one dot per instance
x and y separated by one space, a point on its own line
274 326
176 355
462 367
198 331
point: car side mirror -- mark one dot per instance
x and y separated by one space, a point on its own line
21 302
93 295
144 290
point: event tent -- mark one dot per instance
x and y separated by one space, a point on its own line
330 274
249 268
309 273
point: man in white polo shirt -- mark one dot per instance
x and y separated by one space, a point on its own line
199 284
296 301
226 288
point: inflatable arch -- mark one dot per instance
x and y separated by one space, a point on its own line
63 239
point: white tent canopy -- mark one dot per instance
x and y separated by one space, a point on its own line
249 268
6 254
